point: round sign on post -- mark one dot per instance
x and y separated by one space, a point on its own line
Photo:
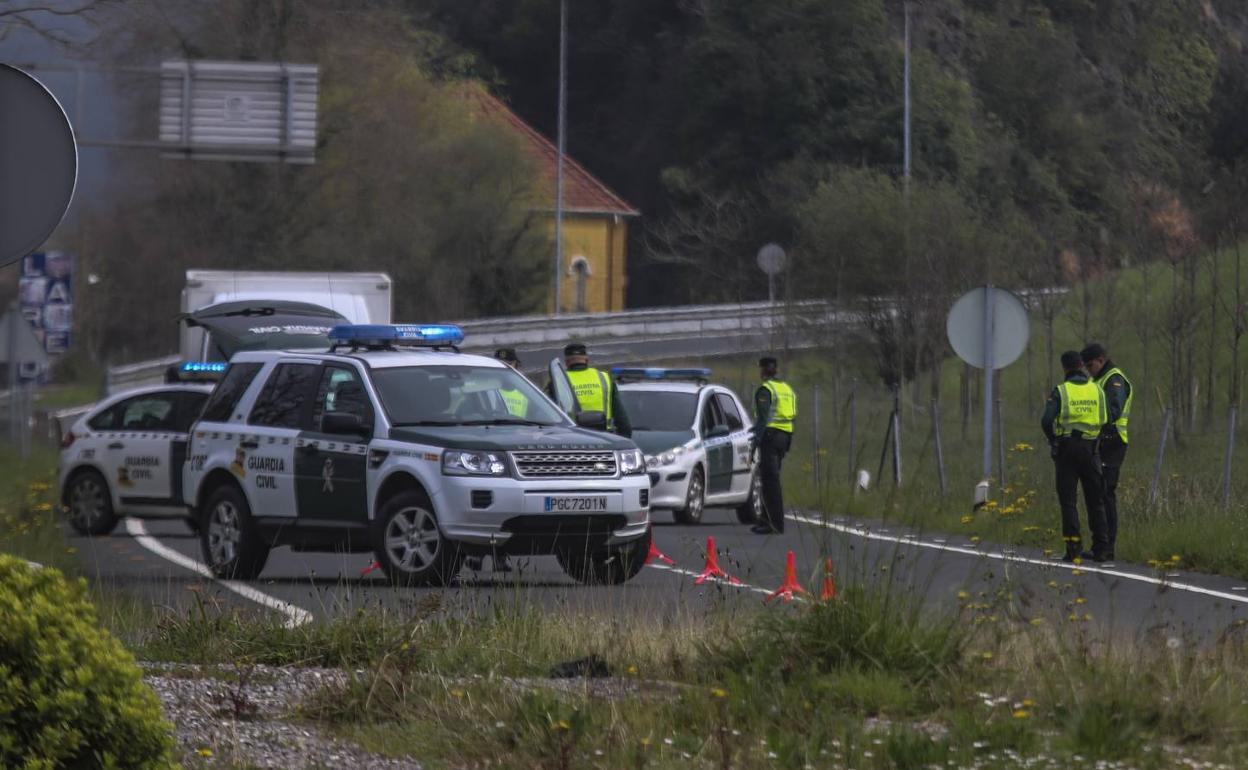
771 261
988 328
1011 327
38 164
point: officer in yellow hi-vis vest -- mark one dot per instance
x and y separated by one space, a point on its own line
594 389
517 403
1118 395
775 409
1073 418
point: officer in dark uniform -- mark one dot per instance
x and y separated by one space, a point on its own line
1073 418
775 410
1118 396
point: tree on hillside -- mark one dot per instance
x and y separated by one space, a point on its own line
408 179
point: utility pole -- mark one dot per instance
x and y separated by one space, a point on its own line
905 169
561 139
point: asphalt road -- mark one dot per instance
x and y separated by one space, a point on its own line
158 561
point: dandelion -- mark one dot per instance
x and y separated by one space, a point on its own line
986 655
963 595
205 752
1021 714
1080 600
975 539
645 742
719 692
1087 617
1028 703
1037 621
968 519
1031 528
458 693
632 670
1175 557
1076 571
563 725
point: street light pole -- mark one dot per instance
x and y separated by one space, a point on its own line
561 139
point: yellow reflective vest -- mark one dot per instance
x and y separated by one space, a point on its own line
1121 423
593 392
783 405
517 403
1083 409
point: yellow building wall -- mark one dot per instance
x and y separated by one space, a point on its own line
601 240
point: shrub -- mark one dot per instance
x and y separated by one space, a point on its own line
70 694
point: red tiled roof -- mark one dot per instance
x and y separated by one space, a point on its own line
582 191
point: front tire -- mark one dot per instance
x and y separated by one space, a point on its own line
90 504
695 500
751 510
409 544
611 565
232 546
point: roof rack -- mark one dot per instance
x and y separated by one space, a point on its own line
659 374
392 336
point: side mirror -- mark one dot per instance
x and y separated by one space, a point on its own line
592 420
343 424
719 431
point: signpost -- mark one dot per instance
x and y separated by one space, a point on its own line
771 259
988 328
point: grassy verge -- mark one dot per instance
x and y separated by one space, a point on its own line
870 681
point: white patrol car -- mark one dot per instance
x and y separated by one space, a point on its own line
125 456
696 439
394 442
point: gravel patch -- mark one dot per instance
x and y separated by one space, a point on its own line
220 724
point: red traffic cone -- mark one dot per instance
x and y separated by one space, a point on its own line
657 555
790 585
374 566
829 583
713 570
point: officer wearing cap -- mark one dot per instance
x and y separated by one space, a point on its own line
775 409
517 402
594 389
1118 395
1073 418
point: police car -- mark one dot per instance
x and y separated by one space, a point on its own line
395 443
124 457
696 439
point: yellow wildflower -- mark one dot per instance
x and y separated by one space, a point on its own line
1022 714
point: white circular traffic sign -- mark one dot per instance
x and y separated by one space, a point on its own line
38 164
771 259
1007 325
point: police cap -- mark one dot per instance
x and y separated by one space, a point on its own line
1071 361
507 355
1093 351
575 349
767 362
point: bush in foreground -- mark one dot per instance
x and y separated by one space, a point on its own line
70 694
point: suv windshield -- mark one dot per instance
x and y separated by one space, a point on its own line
657 410
462 395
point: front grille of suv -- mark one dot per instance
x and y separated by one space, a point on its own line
565 465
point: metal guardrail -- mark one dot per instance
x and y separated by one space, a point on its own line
685 331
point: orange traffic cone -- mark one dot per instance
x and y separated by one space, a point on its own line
374 566
790 585
713 570
657 555
829 583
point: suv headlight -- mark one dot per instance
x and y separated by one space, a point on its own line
456 463
670 457
632 462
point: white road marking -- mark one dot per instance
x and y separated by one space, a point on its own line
295 616
939 545
742 585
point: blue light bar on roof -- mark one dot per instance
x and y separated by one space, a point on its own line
204 367
657 373
366 335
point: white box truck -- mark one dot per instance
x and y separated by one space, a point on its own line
261 300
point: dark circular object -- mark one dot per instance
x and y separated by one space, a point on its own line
38 164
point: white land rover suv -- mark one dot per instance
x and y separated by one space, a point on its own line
396 443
